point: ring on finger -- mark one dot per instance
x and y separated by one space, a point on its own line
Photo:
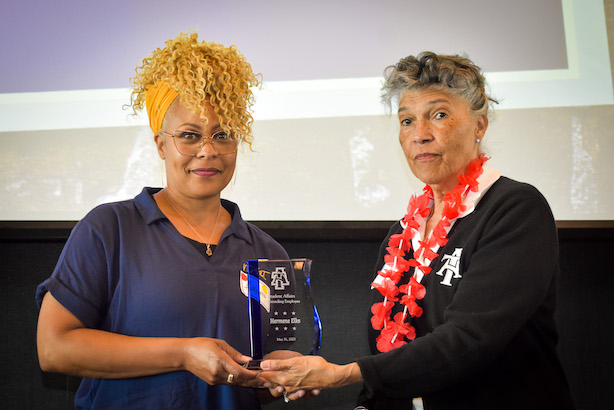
231 378
286 397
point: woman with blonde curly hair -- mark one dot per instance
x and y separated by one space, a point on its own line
145 302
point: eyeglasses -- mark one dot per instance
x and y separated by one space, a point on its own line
190 143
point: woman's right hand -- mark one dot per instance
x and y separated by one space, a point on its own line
214 360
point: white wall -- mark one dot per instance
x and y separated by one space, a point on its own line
326 150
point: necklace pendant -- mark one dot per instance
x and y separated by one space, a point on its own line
209 252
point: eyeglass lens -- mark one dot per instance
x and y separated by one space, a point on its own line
191 142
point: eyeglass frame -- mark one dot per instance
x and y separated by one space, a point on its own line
202 145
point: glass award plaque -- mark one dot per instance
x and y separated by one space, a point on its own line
281 312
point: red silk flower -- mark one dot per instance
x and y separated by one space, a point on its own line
439 233
397 262
395 251
410 225
394 274
412 307
420 204
381 313
425 269
394 334
387 288
425 251
400 327
385 344
413 288
401 241
472 173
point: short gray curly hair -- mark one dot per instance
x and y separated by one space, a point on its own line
450 73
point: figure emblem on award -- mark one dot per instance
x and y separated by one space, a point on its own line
281 312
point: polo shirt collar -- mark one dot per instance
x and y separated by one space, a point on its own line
150 212
238 226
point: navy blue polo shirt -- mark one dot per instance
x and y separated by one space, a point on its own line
126 269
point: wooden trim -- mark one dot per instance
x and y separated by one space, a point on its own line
301 231
585 224
585 230
35 230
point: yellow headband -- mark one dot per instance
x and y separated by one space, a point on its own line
158 98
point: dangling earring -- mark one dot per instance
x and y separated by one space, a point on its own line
162 172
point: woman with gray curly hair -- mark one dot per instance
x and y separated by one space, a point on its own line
144 300
465 283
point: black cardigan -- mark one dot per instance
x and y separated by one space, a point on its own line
487 340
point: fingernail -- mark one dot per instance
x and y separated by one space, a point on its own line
264 365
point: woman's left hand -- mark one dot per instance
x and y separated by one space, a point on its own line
278 391
308 373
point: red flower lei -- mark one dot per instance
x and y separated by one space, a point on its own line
395 331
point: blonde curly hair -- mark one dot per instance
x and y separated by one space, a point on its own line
199 71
